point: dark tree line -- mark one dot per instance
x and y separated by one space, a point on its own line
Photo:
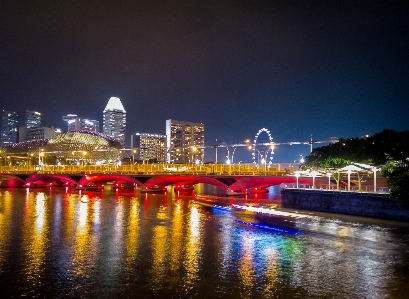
389 149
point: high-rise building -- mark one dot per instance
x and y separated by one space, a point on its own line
75 123
149 147
37 133
115 120
90 125
185 141
9 128
33 119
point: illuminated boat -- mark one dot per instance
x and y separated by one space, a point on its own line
184 188
266 215
89 186
211 201
154 189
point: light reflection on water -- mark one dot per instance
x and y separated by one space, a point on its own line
123 243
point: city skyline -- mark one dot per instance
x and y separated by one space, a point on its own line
331 69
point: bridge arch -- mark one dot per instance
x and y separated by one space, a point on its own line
163 181
48 179
8 180
100 179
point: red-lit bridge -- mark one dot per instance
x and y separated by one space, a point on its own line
148 183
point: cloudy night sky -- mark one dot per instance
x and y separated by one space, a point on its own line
327 68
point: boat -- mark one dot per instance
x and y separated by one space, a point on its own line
184 188
266 215
154 189
211 201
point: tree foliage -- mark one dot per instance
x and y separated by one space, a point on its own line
388 148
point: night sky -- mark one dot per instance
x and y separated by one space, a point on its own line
327 68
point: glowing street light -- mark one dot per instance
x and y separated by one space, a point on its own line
194 150
329 179
40 158
314 174
84 153
297 175
133 156
374 169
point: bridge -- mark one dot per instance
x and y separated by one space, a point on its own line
235 179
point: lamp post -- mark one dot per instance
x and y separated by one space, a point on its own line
133 157
329 179
227 152
232 155
40 155
374 169
41 158
297 175
235 146
30 158
258 160
314 173
84 153
194 149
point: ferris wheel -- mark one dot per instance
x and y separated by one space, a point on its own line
268 154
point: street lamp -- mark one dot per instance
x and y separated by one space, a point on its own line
84 153
329 179
297 175
314 173
374 169
41 158
235 146
227 152
194 149
133 156
232 155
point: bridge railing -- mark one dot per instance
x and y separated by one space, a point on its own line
204 169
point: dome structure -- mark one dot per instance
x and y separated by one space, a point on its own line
71 146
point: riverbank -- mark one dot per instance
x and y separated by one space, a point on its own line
350 203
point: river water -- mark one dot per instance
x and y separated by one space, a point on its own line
127 244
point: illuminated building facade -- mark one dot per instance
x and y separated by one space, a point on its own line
75 123
9 128
149 147
33 119
36 133
90 125
184 141
115 120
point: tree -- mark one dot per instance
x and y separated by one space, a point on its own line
388 148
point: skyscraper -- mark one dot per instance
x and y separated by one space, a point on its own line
185 141
9 128
33 119
115 120
149 147
75 123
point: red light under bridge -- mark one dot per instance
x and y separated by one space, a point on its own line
231 183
